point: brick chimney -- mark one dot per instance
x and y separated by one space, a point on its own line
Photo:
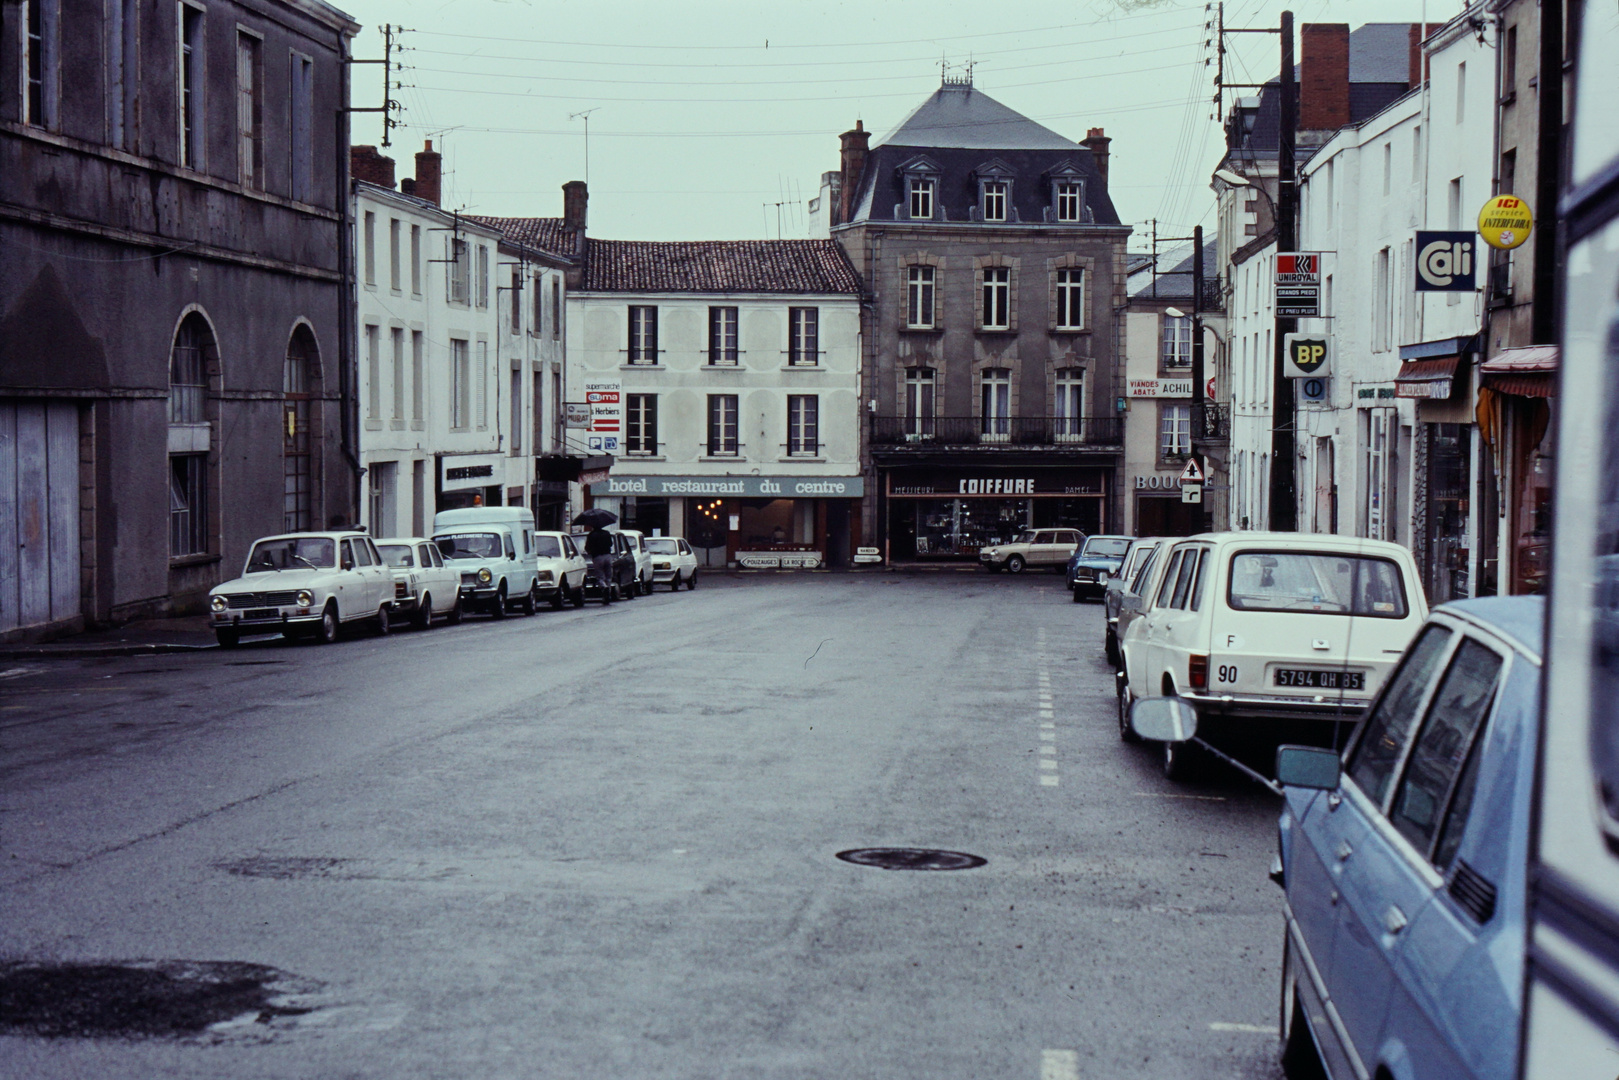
429 169
575 205
368 165
856 147
1417 72
407 185
1097 143
1324 76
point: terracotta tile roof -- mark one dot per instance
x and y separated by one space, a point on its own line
544 233
765 266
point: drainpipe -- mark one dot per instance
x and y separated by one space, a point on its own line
347 343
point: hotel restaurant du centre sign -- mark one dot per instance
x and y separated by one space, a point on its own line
742 487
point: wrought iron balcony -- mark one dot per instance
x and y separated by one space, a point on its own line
1216 421
1021 431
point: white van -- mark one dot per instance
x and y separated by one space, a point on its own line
492 548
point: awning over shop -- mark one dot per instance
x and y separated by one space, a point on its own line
1429 378
1526 371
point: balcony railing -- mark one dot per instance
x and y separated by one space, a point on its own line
1216 421
1047 431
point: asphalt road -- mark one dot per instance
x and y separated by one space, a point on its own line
603 843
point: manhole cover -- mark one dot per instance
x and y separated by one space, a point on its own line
904 858
173 998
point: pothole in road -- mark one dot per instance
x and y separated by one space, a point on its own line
889 858
142 999
282 867
251 663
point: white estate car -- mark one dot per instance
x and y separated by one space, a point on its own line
1044 549
304 583
644 579
492 548
673 562
1286 626
560 569
423 585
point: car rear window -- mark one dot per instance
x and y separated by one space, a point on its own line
662 547
1320 583
397 555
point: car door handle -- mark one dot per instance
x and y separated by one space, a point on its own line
1333 800
1394 919
1345 849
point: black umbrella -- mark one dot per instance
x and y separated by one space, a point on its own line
596 518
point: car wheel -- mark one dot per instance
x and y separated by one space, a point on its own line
1126 698
1297 1053
1112 649
454 617
691 582
327 633
1015 564
228 639
527 603
384 622
1076 594
630 591
557 597
422 617
499 610
579 596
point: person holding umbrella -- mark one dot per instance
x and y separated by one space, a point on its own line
599 546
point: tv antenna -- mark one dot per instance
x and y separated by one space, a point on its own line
584 114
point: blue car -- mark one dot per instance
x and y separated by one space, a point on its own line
1404 861
1097 560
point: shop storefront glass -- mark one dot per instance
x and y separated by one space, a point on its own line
1448 547
939 515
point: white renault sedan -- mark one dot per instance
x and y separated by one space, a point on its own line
304 583
1291 627
424 585
673 562
560 569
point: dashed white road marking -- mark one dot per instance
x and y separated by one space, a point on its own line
1248 1029
1048 736
1047 780
1059 1065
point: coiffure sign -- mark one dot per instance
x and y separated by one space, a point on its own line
741 487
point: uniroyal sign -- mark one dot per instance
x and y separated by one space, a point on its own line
1298 284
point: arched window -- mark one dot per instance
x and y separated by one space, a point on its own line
190 360
297 391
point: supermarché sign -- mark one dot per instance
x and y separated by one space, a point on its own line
745 487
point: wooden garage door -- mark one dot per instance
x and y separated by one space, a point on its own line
39 512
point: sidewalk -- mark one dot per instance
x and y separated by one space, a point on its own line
142 637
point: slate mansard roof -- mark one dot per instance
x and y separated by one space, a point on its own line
959 133
719 266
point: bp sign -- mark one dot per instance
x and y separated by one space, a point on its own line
1306 356
1505 222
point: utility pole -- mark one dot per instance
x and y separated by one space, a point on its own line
1199 405
1283 499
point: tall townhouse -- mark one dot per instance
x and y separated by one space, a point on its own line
1344 77
173 224
738 363
1160 322
460 347
995 263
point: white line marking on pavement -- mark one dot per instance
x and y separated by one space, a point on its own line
1048 781
1048 765
12 673
1059 1065
1048 736
1047 724
1250 1029
1052 750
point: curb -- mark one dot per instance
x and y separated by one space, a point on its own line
46 652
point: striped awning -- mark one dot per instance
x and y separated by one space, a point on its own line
1526 371
1430 378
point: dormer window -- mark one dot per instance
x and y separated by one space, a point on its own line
921 193
994 200
1070 199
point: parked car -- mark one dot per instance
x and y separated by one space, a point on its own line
559 573
1095 563
625 575
673 562
492 548
423 585
1124 592
1404 864
1291 627
1046 549
304 584
644 578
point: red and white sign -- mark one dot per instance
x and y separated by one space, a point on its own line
604 398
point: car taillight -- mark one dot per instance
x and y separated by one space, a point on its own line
1197 670
400 590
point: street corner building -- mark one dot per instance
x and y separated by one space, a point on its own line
723 378
994 261
172 222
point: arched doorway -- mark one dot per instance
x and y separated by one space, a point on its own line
297 387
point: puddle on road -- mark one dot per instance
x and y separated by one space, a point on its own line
911 859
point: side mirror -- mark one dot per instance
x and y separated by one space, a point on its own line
1163 719
1308 767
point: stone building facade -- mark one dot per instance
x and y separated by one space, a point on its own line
173 225
994 264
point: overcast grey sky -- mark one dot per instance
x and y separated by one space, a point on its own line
708 114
